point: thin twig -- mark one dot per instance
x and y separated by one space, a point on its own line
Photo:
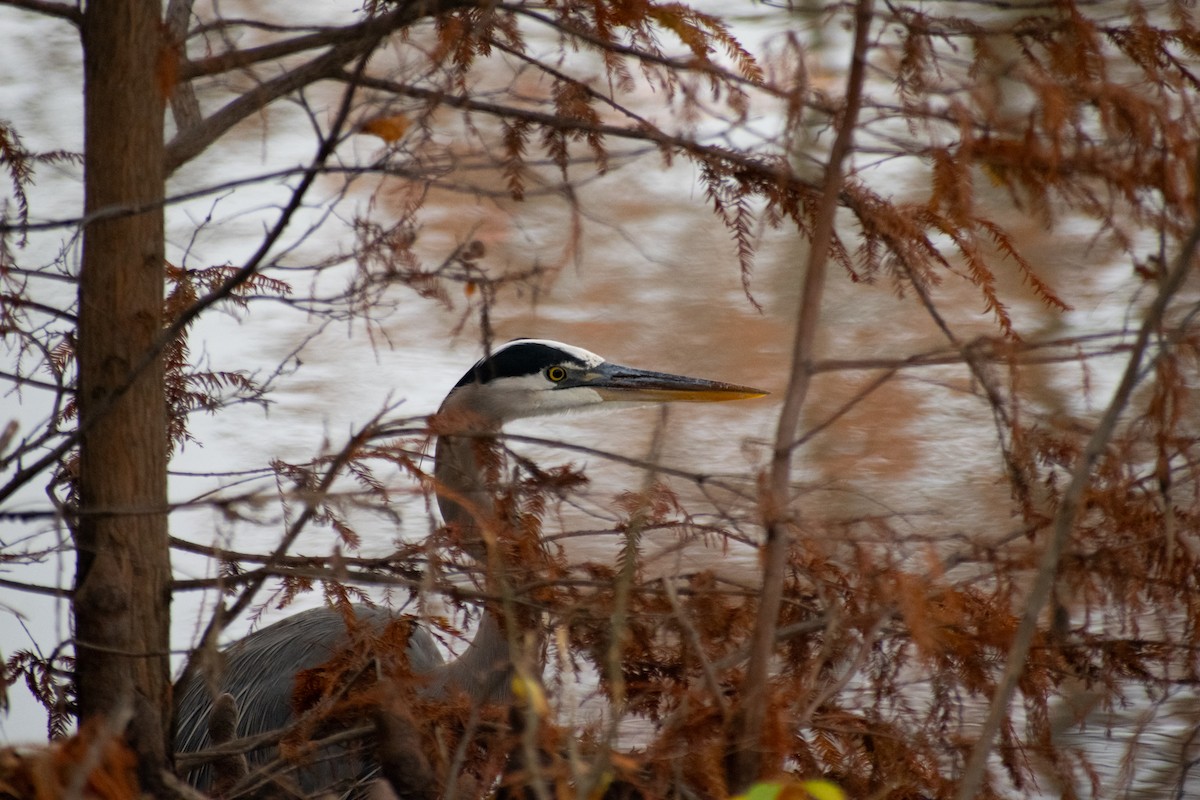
693 637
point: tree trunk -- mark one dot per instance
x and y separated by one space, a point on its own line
122 582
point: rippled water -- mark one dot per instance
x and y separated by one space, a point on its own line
653 282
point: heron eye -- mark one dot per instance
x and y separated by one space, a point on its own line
556 374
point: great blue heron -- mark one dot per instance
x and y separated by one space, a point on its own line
523 378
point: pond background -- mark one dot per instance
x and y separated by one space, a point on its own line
653 281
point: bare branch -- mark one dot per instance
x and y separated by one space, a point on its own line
70 13
189 143
745 761
1068 511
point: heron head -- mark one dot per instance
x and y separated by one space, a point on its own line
534 377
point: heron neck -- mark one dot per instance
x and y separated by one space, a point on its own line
484 671
462 466
464 494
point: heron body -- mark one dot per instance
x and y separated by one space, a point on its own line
523 378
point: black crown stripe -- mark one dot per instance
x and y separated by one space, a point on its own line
516 360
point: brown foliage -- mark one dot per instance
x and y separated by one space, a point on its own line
94 764
979 126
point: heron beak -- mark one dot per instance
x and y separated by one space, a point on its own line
628 384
